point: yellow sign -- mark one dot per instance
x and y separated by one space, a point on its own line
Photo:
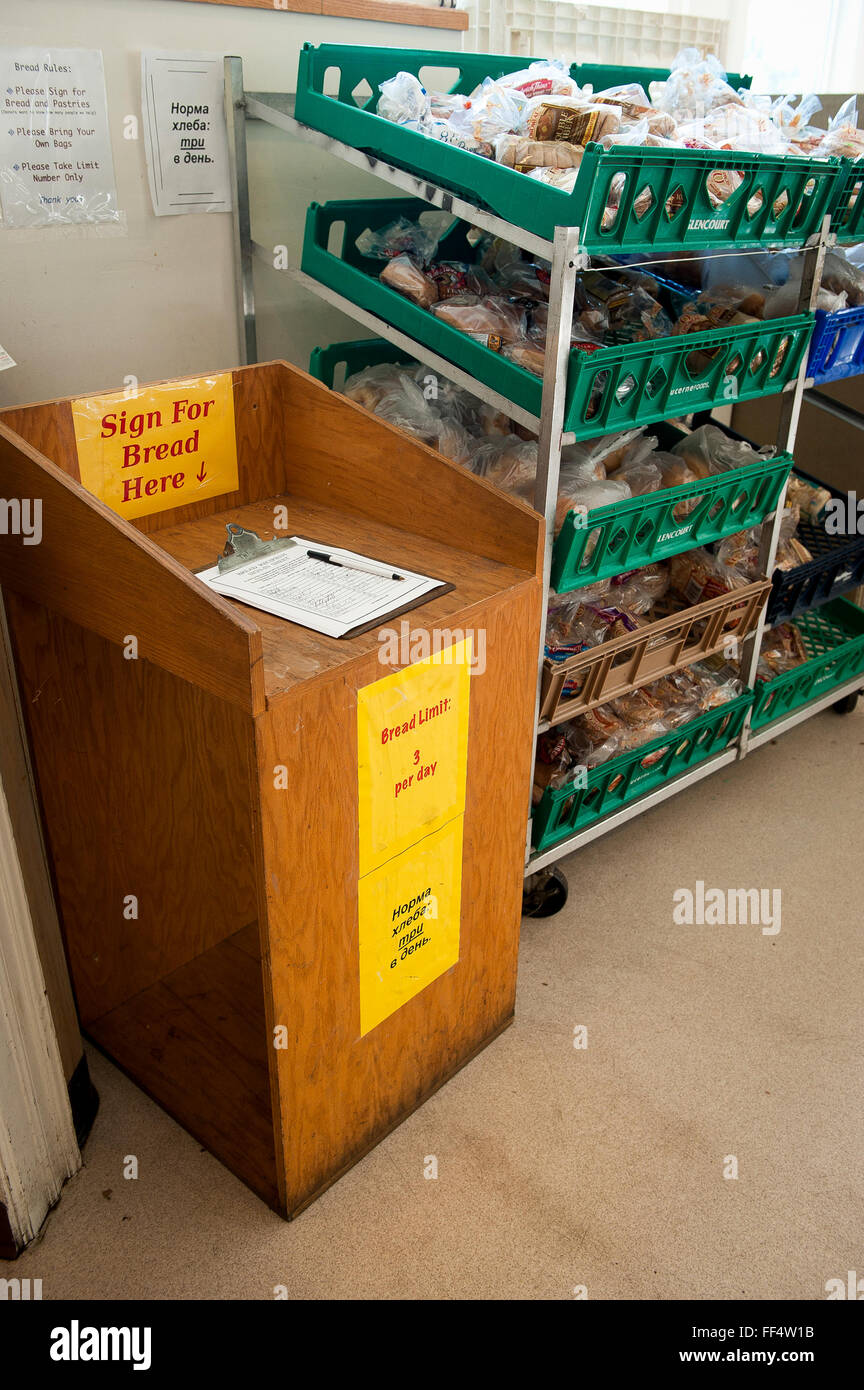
409 923
157 447
412 742
412 729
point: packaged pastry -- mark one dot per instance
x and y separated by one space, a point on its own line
565 118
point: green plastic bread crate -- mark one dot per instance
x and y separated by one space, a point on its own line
325 362
641 530
609 389
833 636
623 535
563 811
780 200
847 207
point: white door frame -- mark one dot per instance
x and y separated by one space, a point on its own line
38 1149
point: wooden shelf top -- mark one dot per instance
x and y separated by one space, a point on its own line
384 11
294 654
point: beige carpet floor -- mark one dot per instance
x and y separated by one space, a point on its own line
558 1168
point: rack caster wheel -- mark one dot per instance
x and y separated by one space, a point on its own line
847 704
544 893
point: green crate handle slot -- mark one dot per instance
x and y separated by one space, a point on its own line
564 810
834 638
639 382
810 185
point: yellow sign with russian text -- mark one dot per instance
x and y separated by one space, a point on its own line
155 447
409 914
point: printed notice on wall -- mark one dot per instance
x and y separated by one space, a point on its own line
156 447
412 728
185 138
55 151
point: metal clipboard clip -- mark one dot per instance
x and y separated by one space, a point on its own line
244 546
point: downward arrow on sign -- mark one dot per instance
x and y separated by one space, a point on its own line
203 474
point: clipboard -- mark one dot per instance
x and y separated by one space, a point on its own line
244 548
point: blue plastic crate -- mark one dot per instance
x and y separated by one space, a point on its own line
837 345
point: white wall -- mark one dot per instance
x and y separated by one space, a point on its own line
81 308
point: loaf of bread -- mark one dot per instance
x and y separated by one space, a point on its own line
484 317
527 354
523 154
405 276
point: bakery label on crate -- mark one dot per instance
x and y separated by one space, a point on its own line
154 447
409 913
412 746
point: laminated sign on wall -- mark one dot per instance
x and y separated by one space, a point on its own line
412 731
55 152
185 139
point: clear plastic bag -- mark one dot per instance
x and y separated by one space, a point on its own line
840 275
733 126
488 318
641 476
542 79
416 239
490 111
708 451
577 493
603 455
510 463
367 387
403 98
565 179
694 87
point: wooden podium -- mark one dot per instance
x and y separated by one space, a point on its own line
157 784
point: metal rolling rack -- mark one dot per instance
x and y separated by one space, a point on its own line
567 259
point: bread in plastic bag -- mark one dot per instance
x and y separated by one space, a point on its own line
487 318
542 79
520 152
404 275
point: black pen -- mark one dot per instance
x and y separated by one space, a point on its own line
352 565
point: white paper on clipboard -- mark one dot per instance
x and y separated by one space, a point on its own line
331 598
